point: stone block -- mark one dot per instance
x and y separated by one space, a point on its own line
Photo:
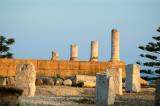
89 84
59 81
67 82
83 78
105 90
116 73
133 78
25 79
10 81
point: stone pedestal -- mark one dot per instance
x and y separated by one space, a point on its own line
55 55
157 93
94 51
116 73
74 52
105 90
115 46
25 79
133 78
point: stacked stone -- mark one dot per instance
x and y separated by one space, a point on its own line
133 78
74 52
105 90
94 51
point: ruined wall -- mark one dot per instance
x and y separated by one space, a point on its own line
58 68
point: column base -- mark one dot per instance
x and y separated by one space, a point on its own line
94 59
74 59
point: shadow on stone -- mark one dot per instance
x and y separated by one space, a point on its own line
9 95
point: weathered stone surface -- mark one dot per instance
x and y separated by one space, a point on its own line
89 84
94 51
67 82
105 90
133 78
157 93
116 73
25 79
74 52
83 78
2 81
55 55
115 46
59 81
53 68
10 81
48 81
9 95
39 81
143 82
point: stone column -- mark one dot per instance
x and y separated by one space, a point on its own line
94 51
55 55
74 52
105 90
115 46
133 78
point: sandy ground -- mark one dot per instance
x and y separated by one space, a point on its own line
72 96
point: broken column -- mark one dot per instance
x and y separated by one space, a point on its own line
116 73
157 93
55 55
105 90
74 52
115 46
25 79
133 78
94 51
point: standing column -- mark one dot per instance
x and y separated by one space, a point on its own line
115 46
74 52
55 55
94 51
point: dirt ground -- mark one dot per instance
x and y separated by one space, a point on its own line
86 96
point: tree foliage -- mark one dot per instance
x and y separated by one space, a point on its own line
151 55
5 44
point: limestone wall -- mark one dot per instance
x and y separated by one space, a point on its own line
58 68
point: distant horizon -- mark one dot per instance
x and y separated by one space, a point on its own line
39 27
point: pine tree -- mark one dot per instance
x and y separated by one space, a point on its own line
5 44
151 55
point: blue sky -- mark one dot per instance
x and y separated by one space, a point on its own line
40 26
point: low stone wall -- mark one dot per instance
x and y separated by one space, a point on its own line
59 68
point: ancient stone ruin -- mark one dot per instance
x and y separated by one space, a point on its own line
55 55
105 90
106 77
116 74
133 78
74 52
25 79
94 51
